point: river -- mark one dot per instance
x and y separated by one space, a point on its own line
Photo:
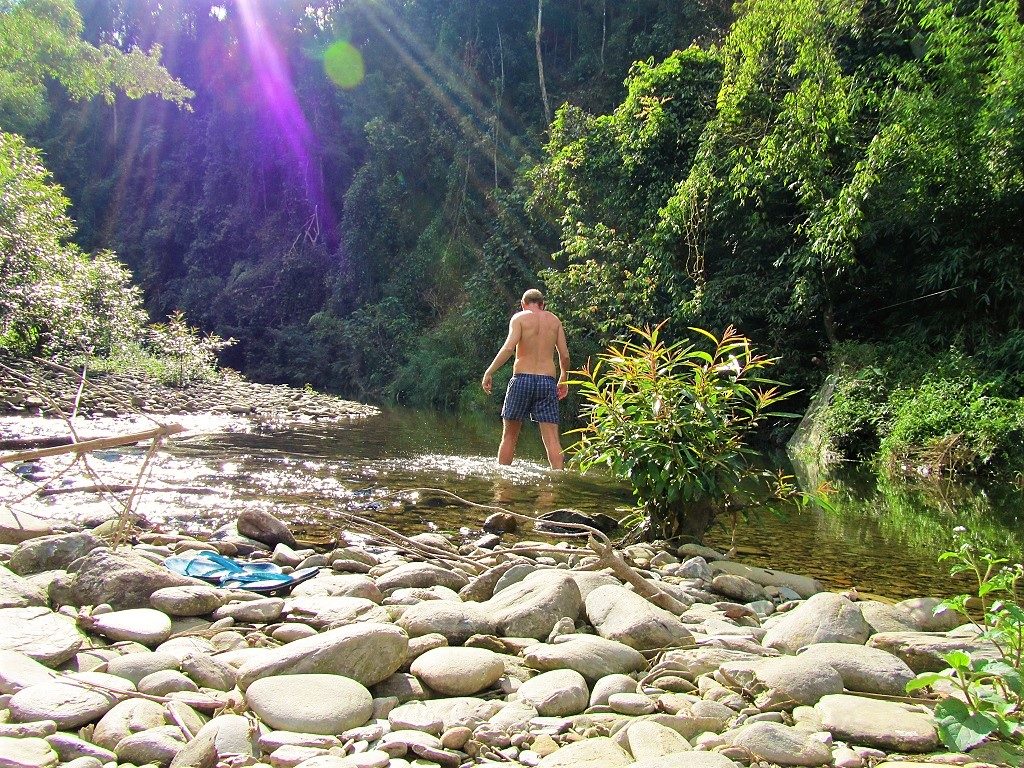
882 539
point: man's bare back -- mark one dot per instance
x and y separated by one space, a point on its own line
539 333
534 336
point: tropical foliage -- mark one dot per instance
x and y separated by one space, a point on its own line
54 299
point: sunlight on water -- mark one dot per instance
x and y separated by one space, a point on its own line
441 466
881 539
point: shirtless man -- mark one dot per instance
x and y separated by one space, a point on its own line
534 335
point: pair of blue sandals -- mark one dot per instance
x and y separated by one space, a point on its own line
228 573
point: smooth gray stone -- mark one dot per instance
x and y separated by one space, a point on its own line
18 670
598 752
592 656
366 652
146 626
458 671
780 745
26 753
421 575
457 621
783 682
156 745
196 600
70 747
883 724
340 585
16 592
120 579
532 607
49 638
624 616
265 528
51 553
70 706
870 670
823 618
135 666
224 736
124 719
324 704
557 693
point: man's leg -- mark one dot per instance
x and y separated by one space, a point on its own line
552 443
509 438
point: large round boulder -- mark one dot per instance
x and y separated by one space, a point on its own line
324 704
366 652
49 638
624 616
532 607
823 618
458 671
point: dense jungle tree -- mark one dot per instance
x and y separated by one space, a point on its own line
56 299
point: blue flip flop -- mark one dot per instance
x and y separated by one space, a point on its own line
269 583
226 572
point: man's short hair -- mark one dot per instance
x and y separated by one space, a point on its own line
533 296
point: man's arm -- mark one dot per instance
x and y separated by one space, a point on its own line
563 363
506 351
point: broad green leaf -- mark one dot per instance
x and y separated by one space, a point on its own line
960 728
957 659
925 679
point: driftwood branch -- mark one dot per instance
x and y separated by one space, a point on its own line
98 488
91 445
612 559
43 441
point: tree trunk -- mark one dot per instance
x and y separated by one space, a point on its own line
604 29
830 325
540 64
682 522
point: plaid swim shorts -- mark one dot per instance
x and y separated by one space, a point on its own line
533 394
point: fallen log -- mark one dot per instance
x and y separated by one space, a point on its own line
91 445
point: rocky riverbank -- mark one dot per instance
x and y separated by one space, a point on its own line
438 654
30 388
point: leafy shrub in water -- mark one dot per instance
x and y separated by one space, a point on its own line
676 422
989 692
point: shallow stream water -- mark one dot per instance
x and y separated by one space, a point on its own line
881 539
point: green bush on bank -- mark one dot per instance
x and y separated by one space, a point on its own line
59 302
171 353
914 412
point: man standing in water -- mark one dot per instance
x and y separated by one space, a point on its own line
534 335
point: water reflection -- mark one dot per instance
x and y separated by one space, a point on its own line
881 539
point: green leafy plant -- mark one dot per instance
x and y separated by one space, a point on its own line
190 357
676 421
988 699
